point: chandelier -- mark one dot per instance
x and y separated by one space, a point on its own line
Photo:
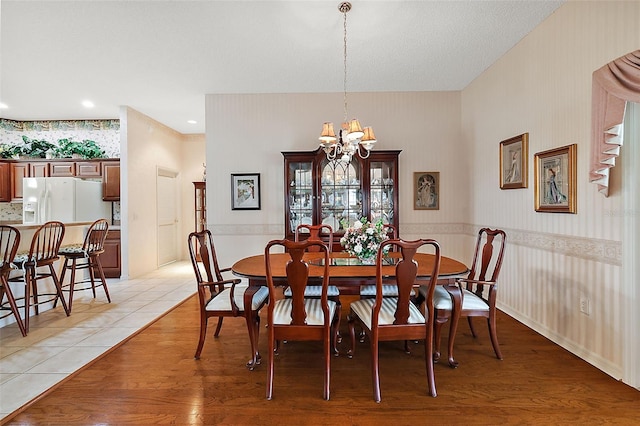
352 136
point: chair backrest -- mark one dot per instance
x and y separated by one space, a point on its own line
9 242
203 257
321 232
46 242
487 259
406 272
297 272
96 235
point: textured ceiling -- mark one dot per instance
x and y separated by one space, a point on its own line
162 57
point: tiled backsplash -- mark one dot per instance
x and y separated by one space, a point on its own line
12 212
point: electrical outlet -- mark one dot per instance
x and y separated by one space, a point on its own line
584 305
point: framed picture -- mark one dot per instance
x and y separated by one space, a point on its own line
513 162
245 191
555 180
426 190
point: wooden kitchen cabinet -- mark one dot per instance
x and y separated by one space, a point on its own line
88 169
110 259
336 193
19 171
5 182
111 181
62 169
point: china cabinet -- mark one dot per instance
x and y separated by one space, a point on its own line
318 190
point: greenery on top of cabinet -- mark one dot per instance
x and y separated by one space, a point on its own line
64 148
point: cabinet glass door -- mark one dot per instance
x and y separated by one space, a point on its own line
300 194
341 193
381 191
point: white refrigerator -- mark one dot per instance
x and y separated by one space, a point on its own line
62 198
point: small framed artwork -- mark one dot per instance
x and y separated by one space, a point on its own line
245 191
513 162
426 190
555 180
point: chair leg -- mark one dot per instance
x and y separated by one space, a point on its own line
272 343
102 278
203 334
375 370
218 327
72 283
256 358
27 298
491 321
336 335
352 335
428 355
438 323
56 281
4 289
473 330
327 361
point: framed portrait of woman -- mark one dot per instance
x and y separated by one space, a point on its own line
555 180
426 190
513 162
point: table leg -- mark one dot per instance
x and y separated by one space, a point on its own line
252 326
456 296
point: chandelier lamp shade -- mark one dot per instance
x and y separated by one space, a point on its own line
352 138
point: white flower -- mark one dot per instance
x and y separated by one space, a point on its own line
357 248
357 224
370 231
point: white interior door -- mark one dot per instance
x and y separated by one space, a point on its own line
167 203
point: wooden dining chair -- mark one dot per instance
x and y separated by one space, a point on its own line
9 242
85 256
43 253
479 288
389 289
397 318
220 297
322 233
299 317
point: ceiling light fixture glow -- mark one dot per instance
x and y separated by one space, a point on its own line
87 104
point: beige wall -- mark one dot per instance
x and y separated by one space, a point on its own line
193 156
147 146
246 133
543 86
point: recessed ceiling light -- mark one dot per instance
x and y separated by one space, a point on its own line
3 105
87 104
192 122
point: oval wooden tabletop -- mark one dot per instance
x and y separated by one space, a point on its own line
254 267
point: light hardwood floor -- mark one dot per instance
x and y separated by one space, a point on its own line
152 378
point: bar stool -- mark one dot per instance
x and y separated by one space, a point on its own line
9 242
86 256
43 252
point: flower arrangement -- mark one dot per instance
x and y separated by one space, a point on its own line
364 238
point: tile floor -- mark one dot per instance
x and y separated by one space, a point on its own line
58 345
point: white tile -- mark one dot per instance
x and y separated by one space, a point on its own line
69 360
23 388
25 359
108 336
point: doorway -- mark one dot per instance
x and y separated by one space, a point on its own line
167 208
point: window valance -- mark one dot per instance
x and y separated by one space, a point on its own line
613 85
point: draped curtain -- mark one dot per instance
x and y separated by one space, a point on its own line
613 85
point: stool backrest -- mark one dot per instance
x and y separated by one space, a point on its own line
46 242
9 242
96 235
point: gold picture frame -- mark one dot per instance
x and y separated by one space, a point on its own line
555 180
514 156
426 190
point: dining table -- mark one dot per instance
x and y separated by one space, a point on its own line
348 273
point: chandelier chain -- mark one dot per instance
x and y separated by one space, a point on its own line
344 13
